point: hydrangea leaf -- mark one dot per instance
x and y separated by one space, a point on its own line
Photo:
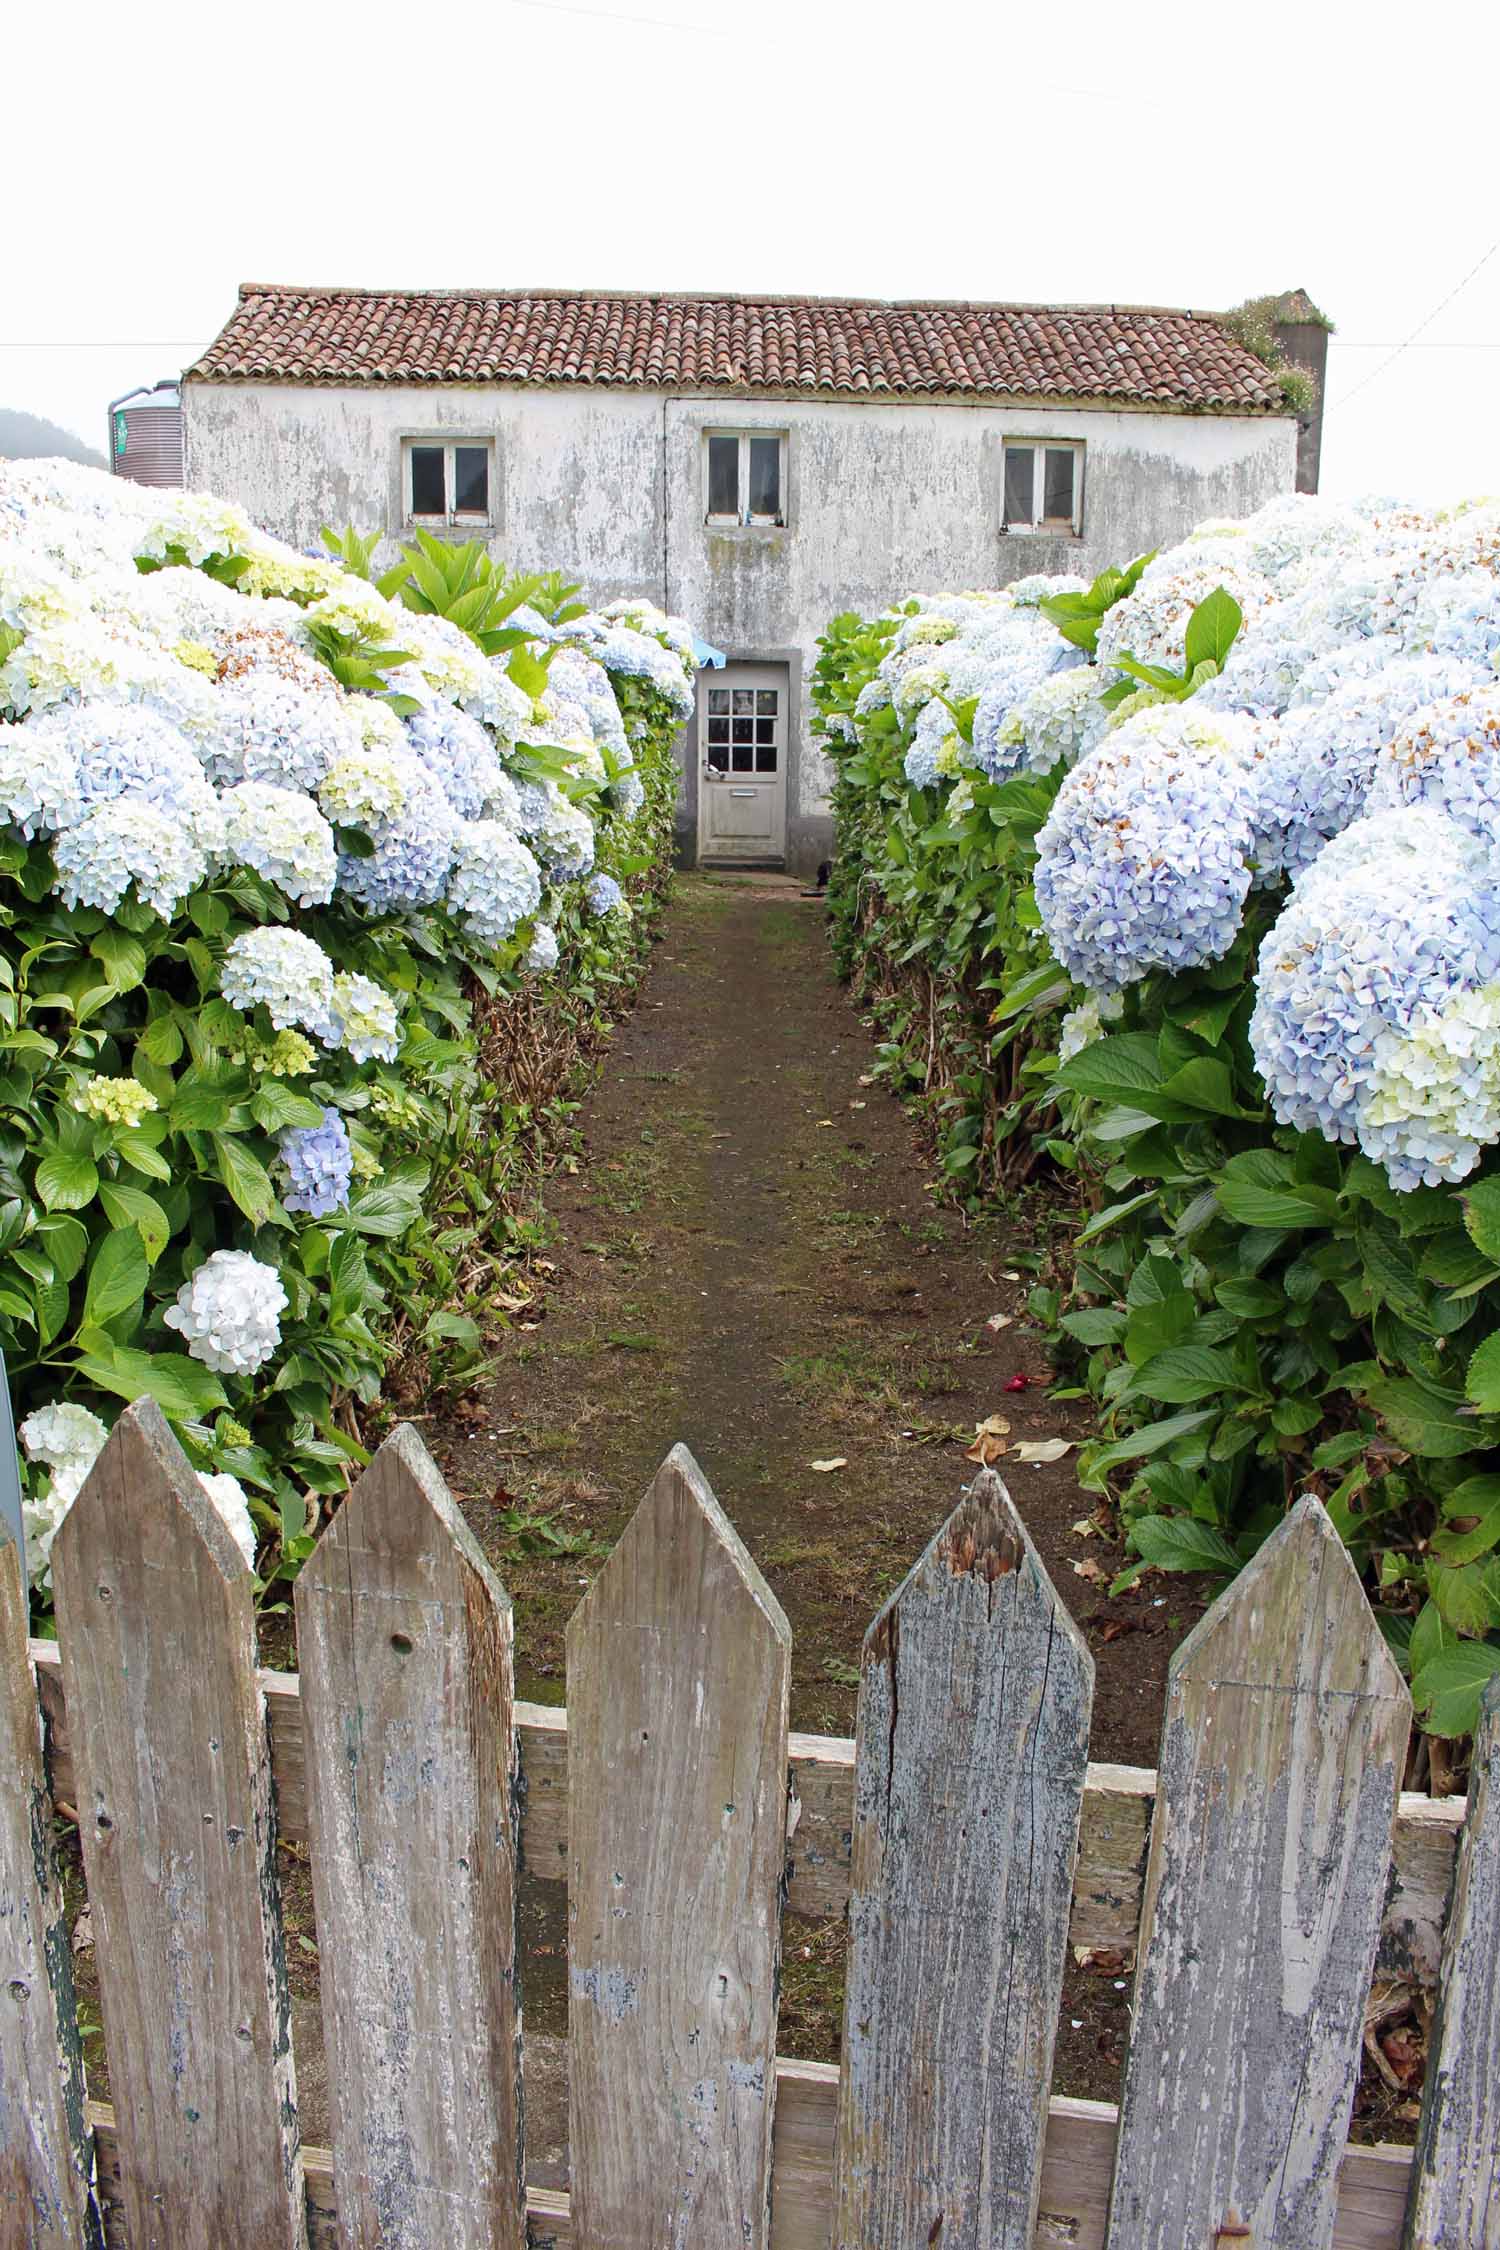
1482 1382
117 1277
67 1180
1447 1689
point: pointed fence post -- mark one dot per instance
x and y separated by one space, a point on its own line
404 1643
157 1629
1281 1759
1455 2198
46 2151
970 1753
679 1661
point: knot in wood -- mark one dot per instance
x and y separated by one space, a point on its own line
983 1546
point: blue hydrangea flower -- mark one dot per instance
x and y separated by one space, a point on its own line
1448 755
126 841
124 750
604 896
1144 860
458 754
319 1164
1366 995
412 856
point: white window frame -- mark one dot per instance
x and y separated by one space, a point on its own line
1039 448
742 513
452 518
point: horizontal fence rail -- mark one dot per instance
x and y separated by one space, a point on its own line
1113 1840
1262 1876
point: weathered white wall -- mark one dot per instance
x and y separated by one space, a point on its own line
608 486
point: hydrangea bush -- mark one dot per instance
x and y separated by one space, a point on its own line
280 849
1182 888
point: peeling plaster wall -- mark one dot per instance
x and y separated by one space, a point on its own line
608 487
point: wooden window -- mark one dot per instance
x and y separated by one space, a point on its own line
745 476
1043 486
742 730
449 481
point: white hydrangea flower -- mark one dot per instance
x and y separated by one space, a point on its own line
365 787
542 954
39 792
228 1497
67 1440
495 884
287 973
283 836
229 1313
367 1021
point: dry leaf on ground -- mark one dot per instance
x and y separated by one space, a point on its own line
1039 1450
989 1440
999 1320
836 1461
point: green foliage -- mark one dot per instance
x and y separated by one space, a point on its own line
1256 1313
1078 616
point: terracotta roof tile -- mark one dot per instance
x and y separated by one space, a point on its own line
798 346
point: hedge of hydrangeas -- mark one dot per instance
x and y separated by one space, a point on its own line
1185 886
276 843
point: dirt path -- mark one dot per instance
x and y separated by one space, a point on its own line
747 1258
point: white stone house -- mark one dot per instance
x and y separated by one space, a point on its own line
755 464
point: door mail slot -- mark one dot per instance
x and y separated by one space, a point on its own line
742 792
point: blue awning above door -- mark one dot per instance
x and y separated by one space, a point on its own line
708 658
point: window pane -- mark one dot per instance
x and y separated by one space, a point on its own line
765 702
718 699
718 756
765 730
1020 482
427 481
743 754
744 699
765 476
718 730
723 476
765 758
1058 505
471 480
744 730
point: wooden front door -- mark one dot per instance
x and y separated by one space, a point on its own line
742 737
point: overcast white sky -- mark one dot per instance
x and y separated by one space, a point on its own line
1154 153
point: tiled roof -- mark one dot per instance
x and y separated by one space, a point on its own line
801 346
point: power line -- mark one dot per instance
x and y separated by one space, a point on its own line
1407 341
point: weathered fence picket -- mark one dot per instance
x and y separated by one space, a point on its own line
1282 1750
673 1803
971 1746
157 1629
679 1663
46 2151
1455 2203
404 1638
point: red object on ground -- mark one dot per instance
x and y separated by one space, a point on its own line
1019 1383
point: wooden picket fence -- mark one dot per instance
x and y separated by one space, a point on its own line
1266 1872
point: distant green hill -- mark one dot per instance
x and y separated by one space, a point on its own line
27 437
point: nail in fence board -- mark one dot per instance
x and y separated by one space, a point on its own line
1455 2201
404 1638
678 1669
971 1748
46 2150
1282 1749
174 1803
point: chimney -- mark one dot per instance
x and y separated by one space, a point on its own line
1301 333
